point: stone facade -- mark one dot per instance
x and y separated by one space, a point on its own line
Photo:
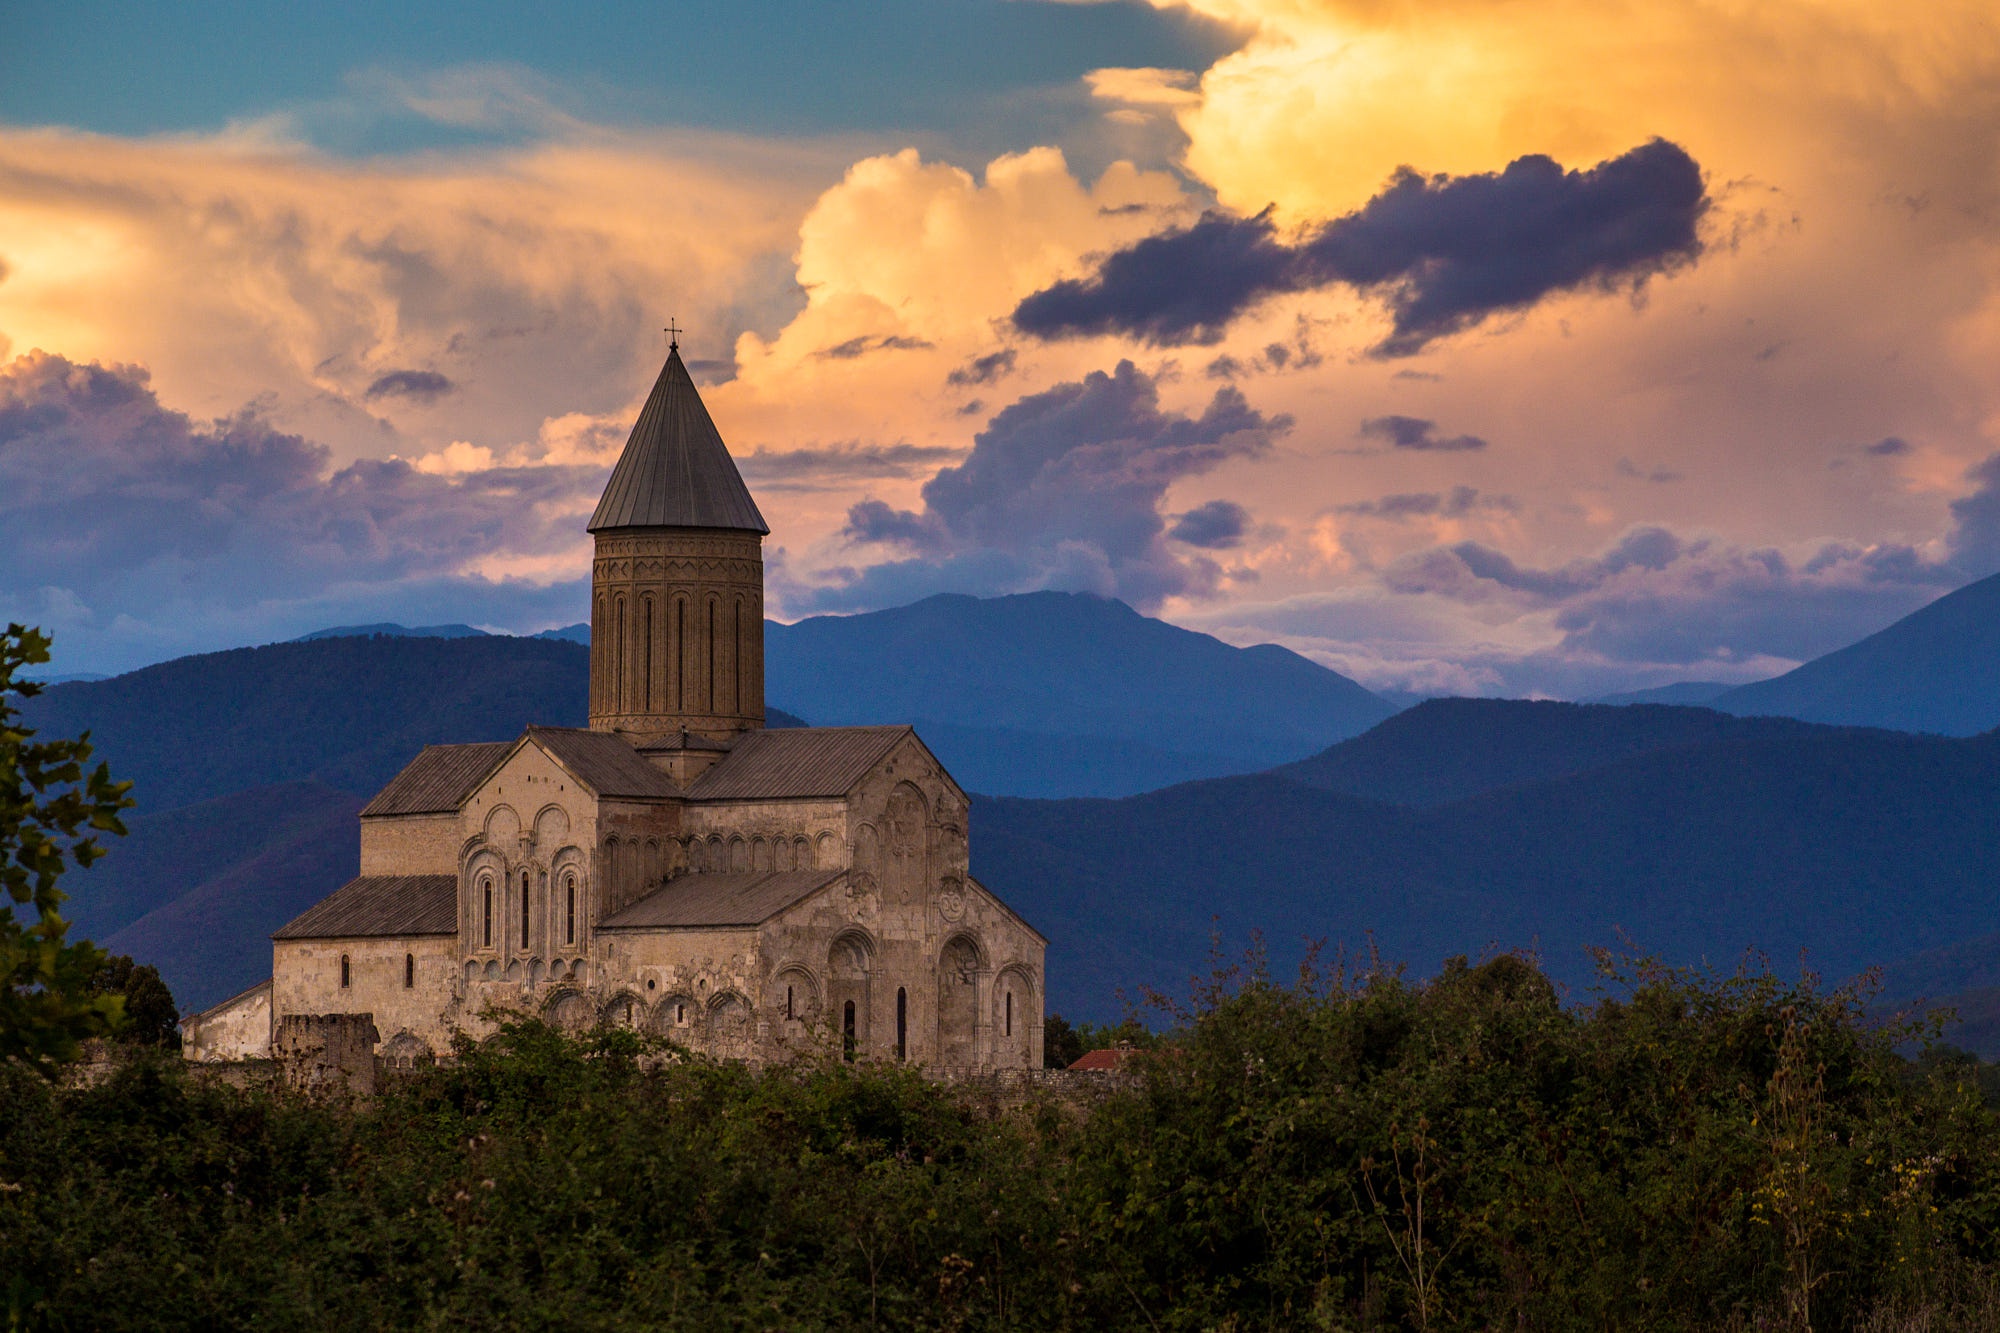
758 895
680 613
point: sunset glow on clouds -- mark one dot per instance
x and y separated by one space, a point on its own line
1537 347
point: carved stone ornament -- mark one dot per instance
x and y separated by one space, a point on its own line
906 824
951 901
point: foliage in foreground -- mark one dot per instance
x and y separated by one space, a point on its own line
52 807
1343 1152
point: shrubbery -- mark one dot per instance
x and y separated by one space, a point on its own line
1341 1152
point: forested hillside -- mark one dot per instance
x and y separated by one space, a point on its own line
1859 847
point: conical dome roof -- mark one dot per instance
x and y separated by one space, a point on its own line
675 471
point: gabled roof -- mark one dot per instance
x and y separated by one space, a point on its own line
442 778
720 900
380 905
675 471
438 780
604 762
796 762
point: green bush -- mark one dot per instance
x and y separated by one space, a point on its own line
1349 1151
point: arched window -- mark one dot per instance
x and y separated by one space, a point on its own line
524 909
713 694
1010 1013
646 663
847 1031
902 1023
345 976
788 1002
409 971
569 910
618 657
678 657
486 913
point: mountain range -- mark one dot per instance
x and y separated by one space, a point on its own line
1456 826
1693 835
1064 694
1937 669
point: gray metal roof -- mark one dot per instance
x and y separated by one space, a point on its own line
605 762
675 471
720 900
380 905
796 762
438 780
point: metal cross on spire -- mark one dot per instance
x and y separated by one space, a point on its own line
673 336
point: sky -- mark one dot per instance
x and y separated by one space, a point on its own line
1504 347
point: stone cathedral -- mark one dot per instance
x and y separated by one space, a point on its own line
753 893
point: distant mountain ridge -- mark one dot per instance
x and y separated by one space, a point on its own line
1860 846
578 633
1445 750
250 764
394 631
1935 670
1010 689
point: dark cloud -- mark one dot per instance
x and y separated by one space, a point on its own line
1658 597
1061 490
1215 526
1454 503
1975 538
1443 251
878 521
983 369
1888 447
1417 433
1299 354
1627 468
857 347
122 522
423 386
823 468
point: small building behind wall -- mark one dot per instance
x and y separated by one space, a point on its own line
239 1028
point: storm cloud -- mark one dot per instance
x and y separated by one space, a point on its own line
122 521
1417 433
423 386
1063 489
1443 252
1658 597
1215 526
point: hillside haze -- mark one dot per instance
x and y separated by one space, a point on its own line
248 765
1444 750
1935 670
1859 846
1064 693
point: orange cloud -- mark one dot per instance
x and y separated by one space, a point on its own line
532 280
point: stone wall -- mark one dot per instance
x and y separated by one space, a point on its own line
326 1052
